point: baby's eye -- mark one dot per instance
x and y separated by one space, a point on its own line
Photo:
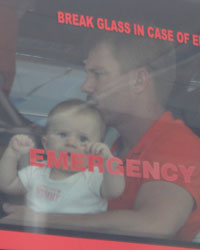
83 138
62 134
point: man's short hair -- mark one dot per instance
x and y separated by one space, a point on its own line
132 52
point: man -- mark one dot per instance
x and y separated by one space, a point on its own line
129 80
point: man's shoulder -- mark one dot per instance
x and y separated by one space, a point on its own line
178 134
169 130
175 141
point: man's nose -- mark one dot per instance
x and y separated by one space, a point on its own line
88 86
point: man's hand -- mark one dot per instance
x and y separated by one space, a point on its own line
22 215
15 212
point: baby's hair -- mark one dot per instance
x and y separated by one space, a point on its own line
76 107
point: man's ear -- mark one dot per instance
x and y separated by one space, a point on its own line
142 80
44 142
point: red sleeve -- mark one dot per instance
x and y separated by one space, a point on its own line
180 148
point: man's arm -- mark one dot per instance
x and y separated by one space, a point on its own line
160 210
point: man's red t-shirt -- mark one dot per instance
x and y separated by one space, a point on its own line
167 141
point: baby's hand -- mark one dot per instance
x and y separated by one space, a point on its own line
98 149
21 144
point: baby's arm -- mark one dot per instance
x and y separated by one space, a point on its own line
9 180
112 185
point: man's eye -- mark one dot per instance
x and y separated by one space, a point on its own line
62 134
97 74
83 138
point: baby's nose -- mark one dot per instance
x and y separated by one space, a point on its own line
72 142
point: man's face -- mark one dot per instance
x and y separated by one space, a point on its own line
107 88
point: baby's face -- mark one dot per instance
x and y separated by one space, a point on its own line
69 132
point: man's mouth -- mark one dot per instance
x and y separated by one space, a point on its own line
91 101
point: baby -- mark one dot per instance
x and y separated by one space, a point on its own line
72 126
